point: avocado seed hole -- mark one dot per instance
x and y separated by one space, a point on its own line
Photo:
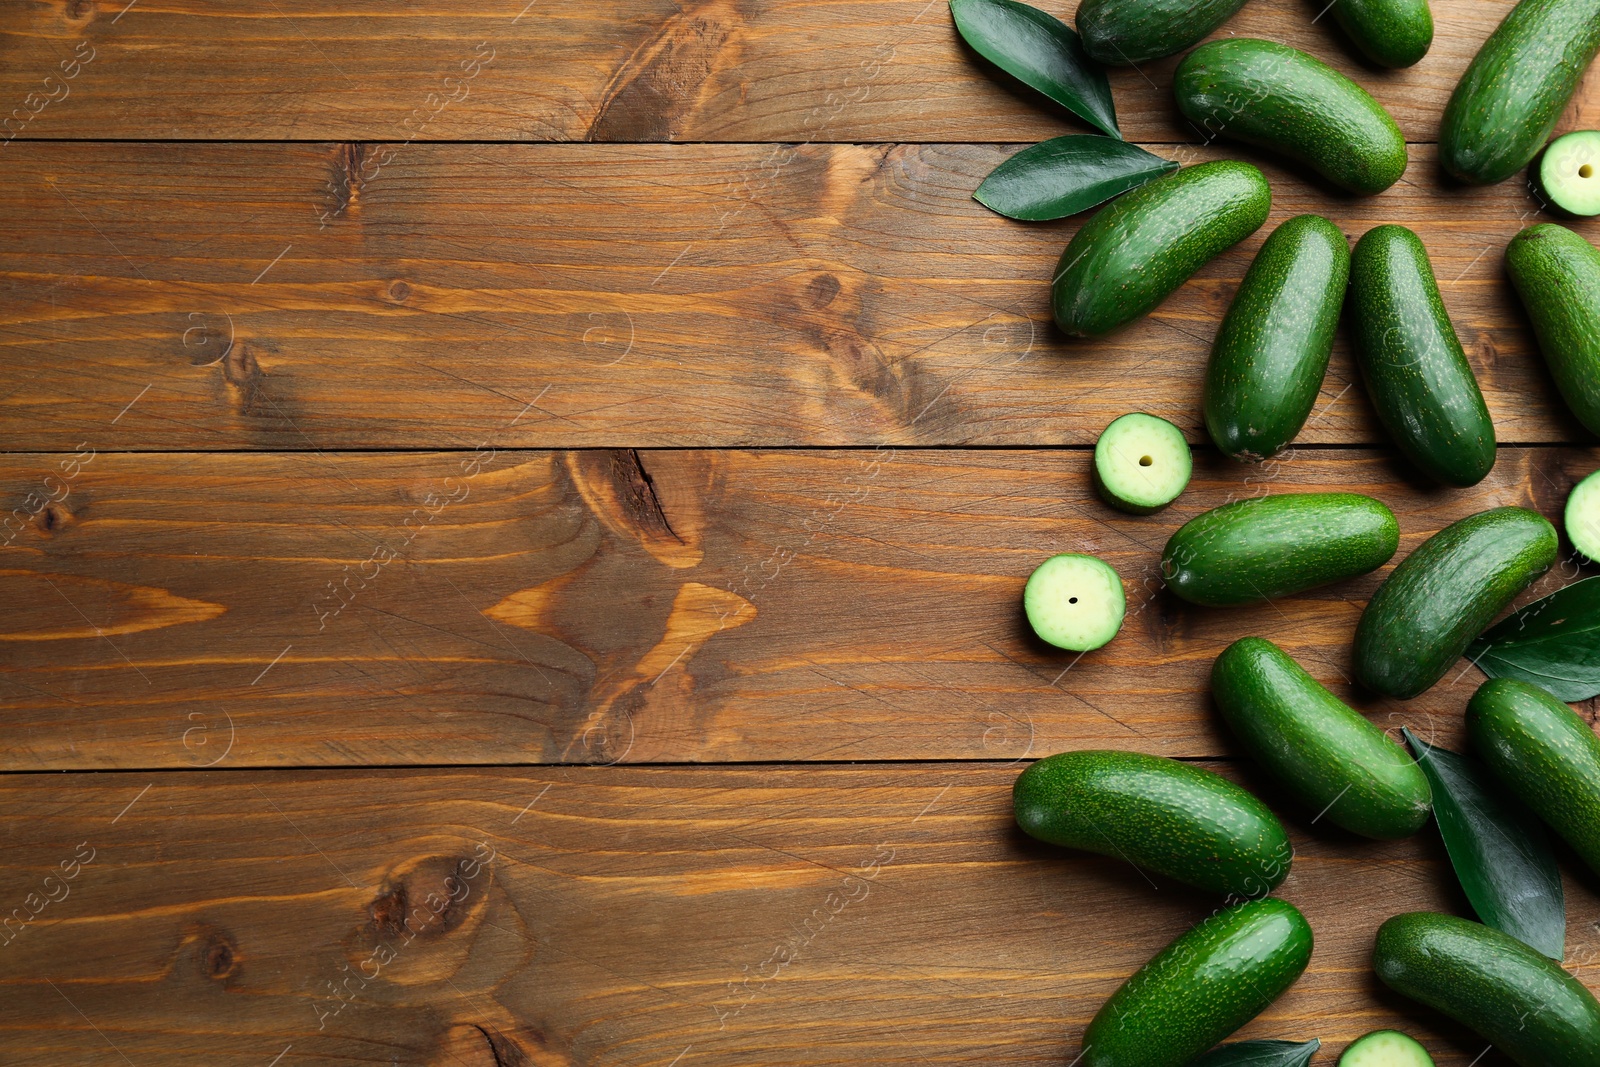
1586 171
1145 461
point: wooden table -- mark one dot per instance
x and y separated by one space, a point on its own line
519 521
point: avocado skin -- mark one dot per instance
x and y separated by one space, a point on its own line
1418 376
1545 754
1391 33
1173 818
1316 746
1440 597
1272 546
1120 33
1202 987
1279 98
1518 1000
1135 251
1557 274
1271 353
1508 102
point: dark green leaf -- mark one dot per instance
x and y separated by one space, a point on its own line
1260 1054
1042 52
1554 643
1066 175
1499 849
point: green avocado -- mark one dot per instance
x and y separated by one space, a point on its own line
1279 98
1271 353
1160 814
1441 596
1201 988
1136 250
1520 1001
1317 748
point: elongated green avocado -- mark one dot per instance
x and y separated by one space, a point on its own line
1276 97
1272 546
1441 596
1144 244
1270 356
1545 754
1391 33
1512 94
1316 746
1420 381
1557 274
1202 987
1520 1001
1169 817
1123 32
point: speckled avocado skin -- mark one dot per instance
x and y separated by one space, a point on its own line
1279 98
1391 33
1271 353
1201 988
1416 373
1442 596
1316 746
1169 817
1144 244
1518 1000
1508 102
1122 32
1557 274
1272 546
1545 754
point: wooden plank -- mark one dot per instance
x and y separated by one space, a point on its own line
196 610
711 70
190 297
628 916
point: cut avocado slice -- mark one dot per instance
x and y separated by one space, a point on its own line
1386 1048
1569 173
1074 602
1141 463
1582 518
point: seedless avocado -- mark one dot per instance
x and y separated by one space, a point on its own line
1545 754
1141 463
1074 602
1420 381
1144 244
1441 596
1391 33
1569 173
1124 32
1315 746
1201 988
1582 516
1173 818
1512 94
1557 274
1276 97
1518 1000
1271 353
1272 546
1385 1048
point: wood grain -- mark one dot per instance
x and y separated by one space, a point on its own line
703 916
651 70
189 297
589 607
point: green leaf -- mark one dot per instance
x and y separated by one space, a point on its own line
1260 1054
1554 643
1041 51
1499 849
1066 175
